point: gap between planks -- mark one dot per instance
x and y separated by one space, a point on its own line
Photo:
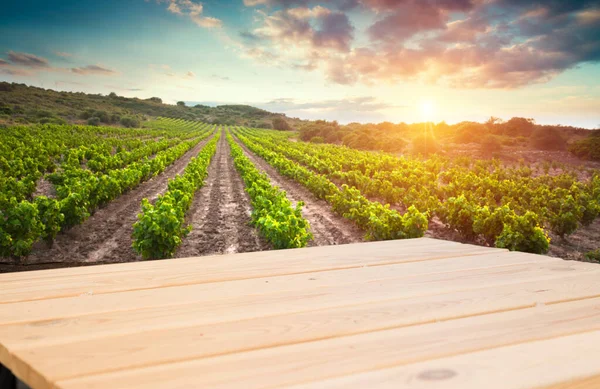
509 276
125 351
234 267
323 359
423 277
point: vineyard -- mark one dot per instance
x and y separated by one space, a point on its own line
74 194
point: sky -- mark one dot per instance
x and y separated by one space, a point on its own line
345 60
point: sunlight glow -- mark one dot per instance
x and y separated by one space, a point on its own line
427 108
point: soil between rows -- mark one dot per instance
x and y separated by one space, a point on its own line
106 236
327 227
220 212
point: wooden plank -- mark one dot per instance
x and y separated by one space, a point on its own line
415 309
163 264
121 350
559 363
311 361
591 382
175 272
413 280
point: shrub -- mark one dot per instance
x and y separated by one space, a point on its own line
593 255
317 139
490 144
588 148
181 103
129 121
93 121
469 132
425 144
281 125
523 233
547 139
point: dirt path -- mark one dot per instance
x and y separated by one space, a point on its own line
327 227
220 212
106 236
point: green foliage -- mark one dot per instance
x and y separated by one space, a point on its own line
20 227
523 233
378 221
480 199
547 139
160 227
490 223
281 124
50 215
490 144
130 122
588 148
564 214
93 121
425 144
593 255
272 213
459 214
116 159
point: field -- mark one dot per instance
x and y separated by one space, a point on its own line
74 195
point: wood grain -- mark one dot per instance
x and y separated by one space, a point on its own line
310 361
415 313
187 271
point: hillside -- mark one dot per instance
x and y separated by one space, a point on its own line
22 104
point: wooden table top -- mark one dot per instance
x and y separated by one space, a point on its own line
417 313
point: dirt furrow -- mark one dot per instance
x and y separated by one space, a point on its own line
220 212
327 227
106 236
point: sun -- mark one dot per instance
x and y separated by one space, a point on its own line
427 108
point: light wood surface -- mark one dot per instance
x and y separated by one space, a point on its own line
419 313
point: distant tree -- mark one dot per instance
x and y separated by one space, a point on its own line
93 121
519 126
129 121
425 144
155 99
492 121
281 124
547 139
181 103
469 132
112 94
490 144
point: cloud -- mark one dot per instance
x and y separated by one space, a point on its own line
207 21
190 74
217 77
122 88
360 104
63 54
407 20
459 43
194 11
94 69
27 60
337 4
3 62
12 71
306 28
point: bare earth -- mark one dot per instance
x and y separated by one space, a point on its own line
327 227
220 217
220 213
106 236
